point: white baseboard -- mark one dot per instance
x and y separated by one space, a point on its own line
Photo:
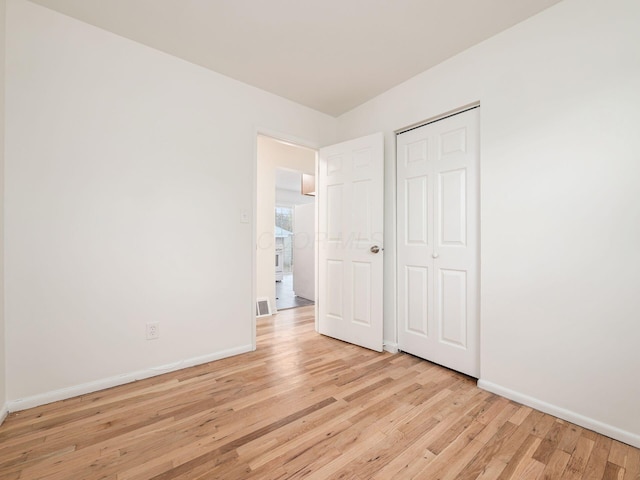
90 387
573 417
390 347
4 411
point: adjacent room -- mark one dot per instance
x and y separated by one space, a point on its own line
285 224
473 263
295 235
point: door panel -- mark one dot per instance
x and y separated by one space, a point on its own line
361 213
362 293
453 307
438 255
452 210
333 292
333 220
417 214
417 300
350 209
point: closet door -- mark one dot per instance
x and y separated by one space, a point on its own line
438 242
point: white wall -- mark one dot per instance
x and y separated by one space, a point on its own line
291 198
126 172
560 205
272 155
3 371
304 266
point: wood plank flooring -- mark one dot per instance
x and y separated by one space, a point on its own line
304 406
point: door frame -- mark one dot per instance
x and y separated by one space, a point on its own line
297 141
442 116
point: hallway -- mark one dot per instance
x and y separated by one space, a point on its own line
285 296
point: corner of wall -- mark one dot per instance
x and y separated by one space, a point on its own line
569 415
390 347
3 373
104 383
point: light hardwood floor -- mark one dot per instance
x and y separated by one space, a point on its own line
304 406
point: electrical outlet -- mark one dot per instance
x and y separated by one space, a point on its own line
153 330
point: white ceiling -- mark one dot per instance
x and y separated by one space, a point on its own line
331 55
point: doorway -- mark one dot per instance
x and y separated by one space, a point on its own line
350 215
279 166
294 242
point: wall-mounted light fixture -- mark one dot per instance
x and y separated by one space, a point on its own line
308 184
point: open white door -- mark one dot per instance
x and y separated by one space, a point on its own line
350 236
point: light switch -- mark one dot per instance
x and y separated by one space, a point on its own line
244 216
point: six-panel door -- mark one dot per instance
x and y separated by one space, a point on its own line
350 220
438 224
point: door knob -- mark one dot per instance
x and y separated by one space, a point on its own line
374 249
435 255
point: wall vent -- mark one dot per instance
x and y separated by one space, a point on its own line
263 308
